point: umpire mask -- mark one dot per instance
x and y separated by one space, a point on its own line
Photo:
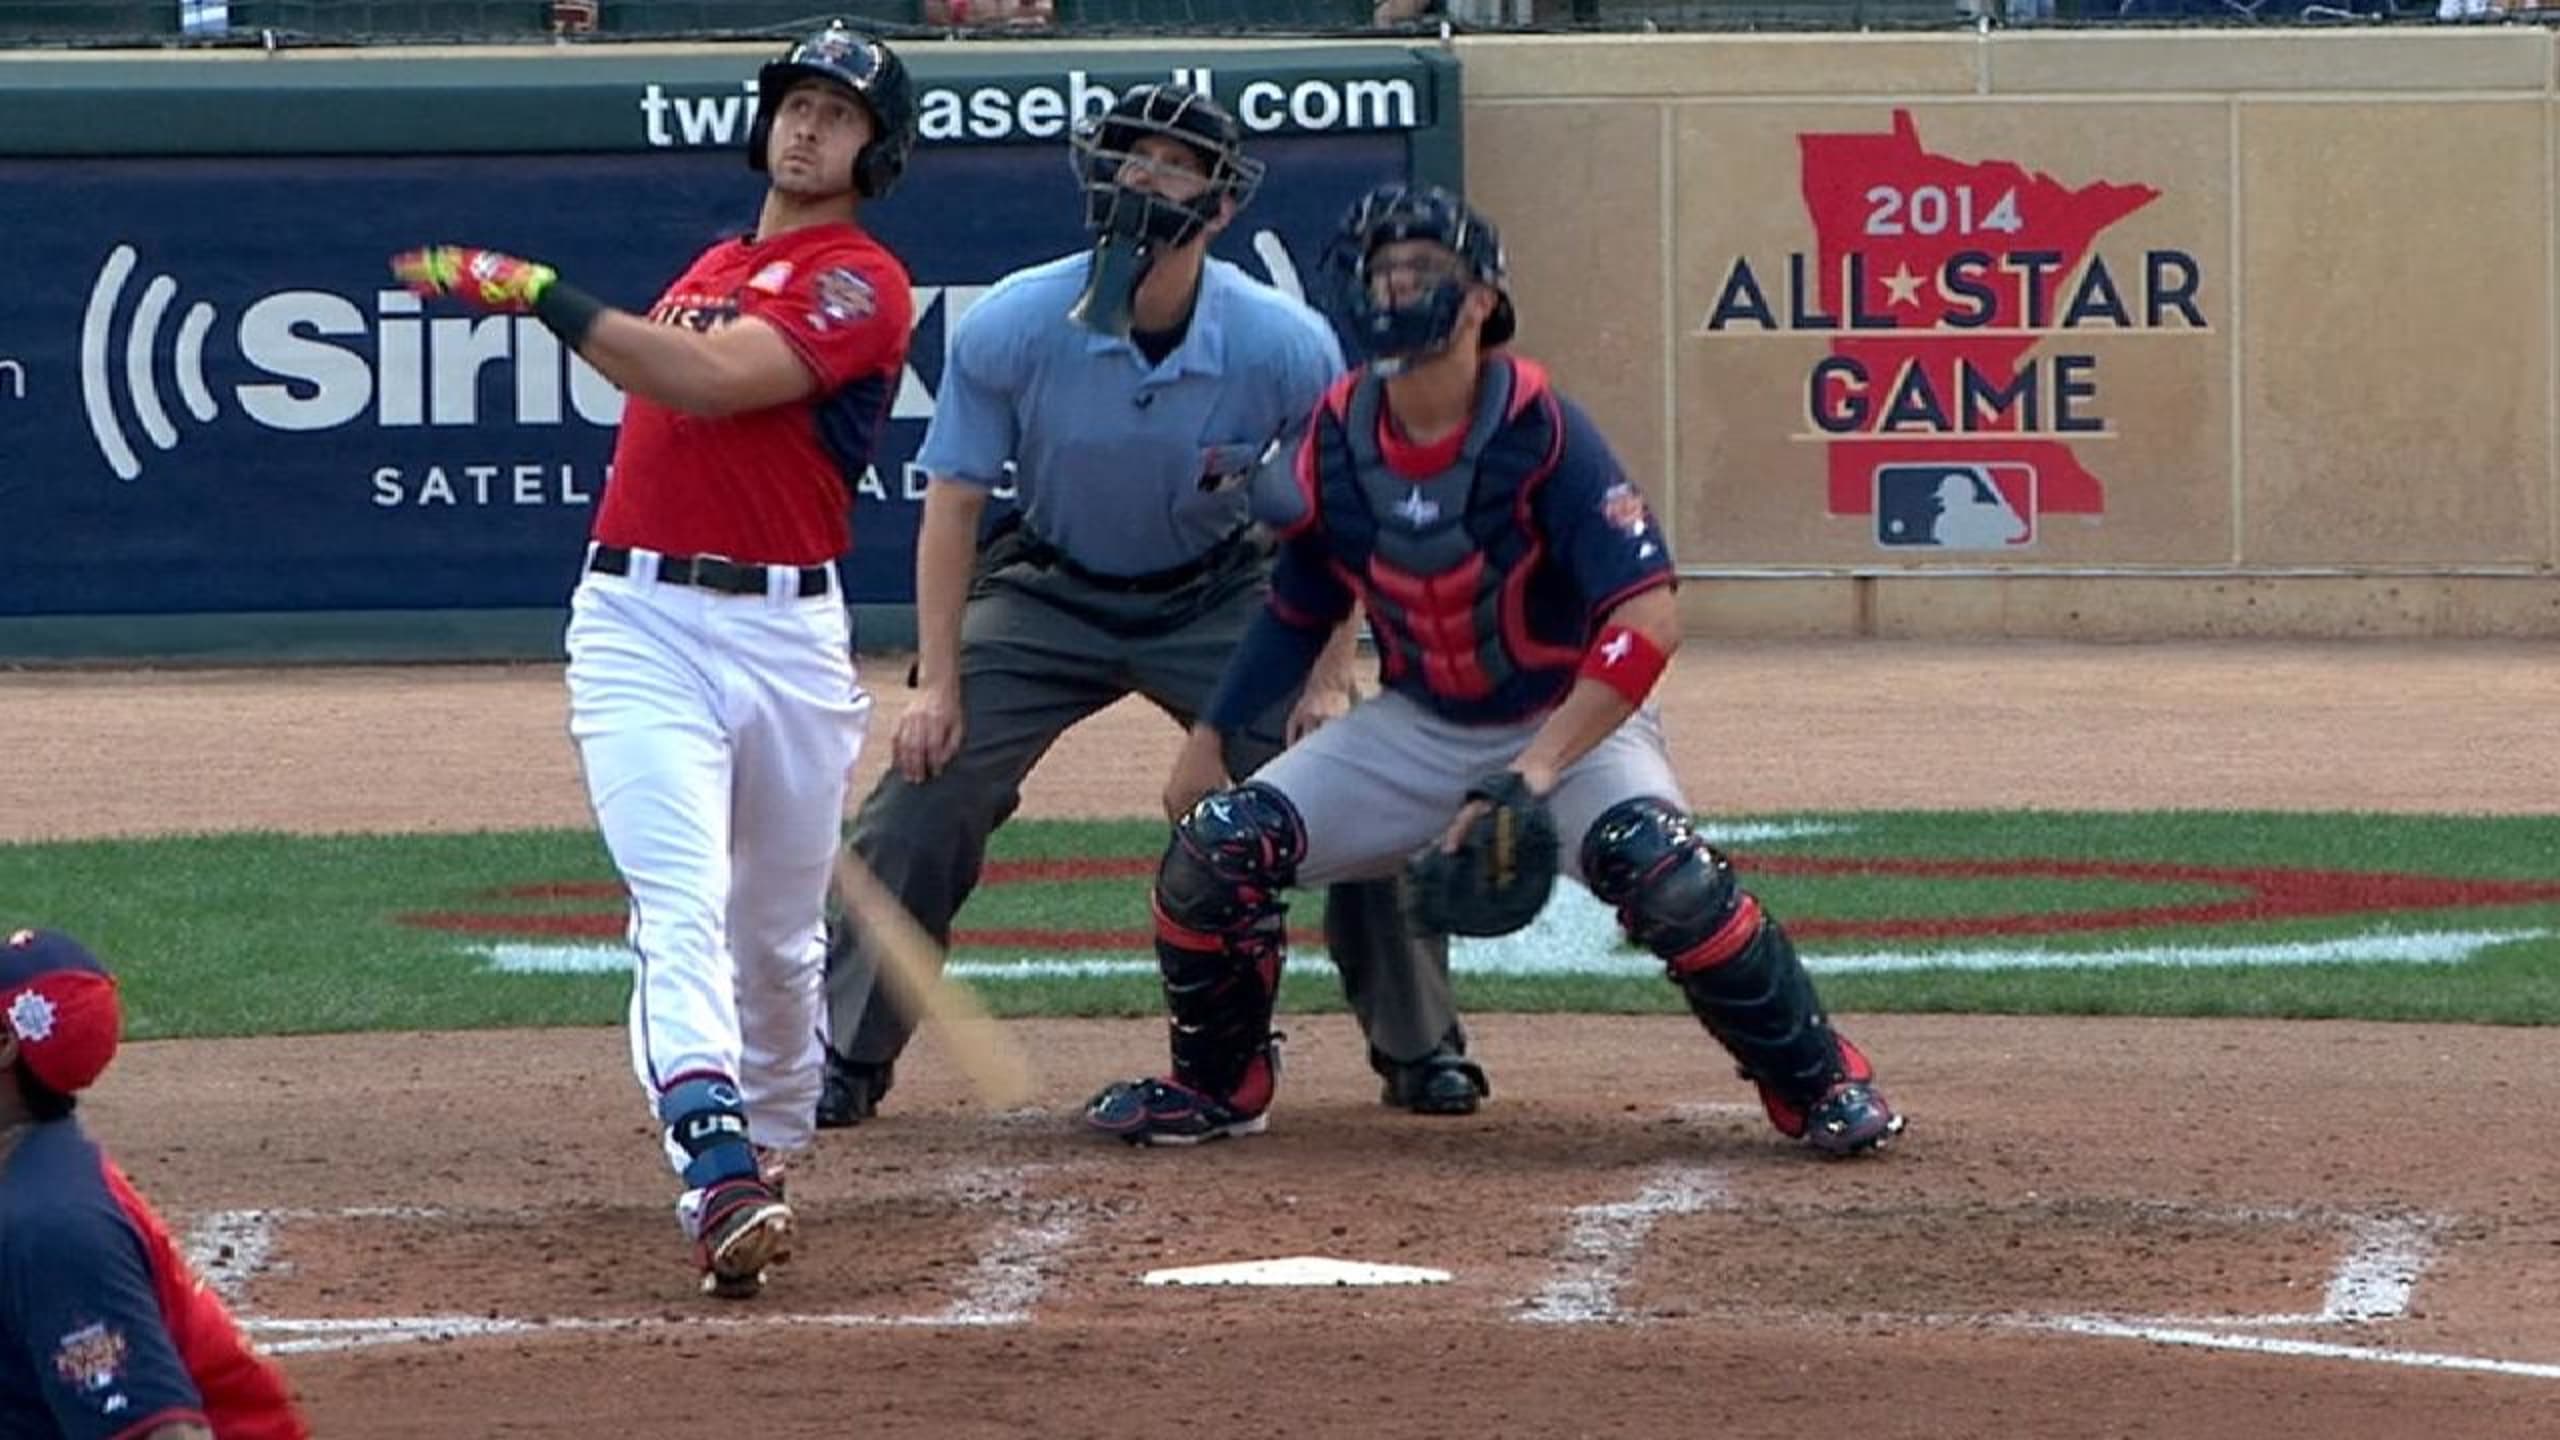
1138 201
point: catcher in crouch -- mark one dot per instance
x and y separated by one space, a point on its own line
1521 595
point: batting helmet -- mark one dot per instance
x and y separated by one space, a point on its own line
1420 327
1103 144
864 64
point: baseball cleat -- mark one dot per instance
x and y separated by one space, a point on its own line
1443 1082
740 1229
1149 1111
1851 1117
852 1092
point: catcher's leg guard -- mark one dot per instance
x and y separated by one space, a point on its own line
1219 943
1677 896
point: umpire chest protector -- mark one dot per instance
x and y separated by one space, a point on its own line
1444 562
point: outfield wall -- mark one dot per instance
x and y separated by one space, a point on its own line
2311 392
2085 334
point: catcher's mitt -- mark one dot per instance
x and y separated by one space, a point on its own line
1499 877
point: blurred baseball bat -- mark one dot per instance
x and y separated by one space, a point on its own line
911 966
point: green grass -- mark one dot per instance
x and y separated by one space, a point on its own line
269 934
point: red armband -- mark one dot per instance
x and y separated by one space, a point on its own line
1625 661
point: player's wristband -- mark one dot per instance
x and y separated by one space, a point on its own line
568 312
1270 664
1625 661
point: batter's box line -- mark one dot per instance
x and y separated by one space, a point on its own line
1003 1289
327 1335
2385 1256
231 1247
2373 1282
2372 1285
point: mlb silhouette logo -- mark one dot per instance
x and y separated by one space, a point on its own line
1956 505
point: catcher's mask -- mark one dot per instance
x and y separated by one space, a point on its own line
1403 309
864 64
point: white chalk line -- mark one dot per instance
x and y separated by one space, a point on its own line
322 1336
1012 1270
2280 1345
226 1247
1601 1243
1577 935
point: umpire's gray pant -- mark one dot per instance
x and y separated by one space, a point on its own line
1040 650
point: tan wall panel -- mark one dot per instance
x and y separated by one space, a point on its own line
2396 356
1774 609
1673 66
2095 608
2134 61
2156 491
1575 193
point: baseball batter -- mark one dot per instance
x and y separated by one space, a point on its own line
105 1333
1130 389
711 684
1521 593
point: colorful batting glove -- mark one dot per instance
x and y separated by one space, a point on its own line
481 279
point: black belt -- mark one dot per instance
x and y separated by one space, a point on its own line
714 573
1049 557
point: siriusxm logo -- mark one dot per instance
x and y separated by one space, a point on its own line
319 361
324 361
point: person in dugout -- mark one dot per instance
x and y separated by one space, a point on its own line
105 1332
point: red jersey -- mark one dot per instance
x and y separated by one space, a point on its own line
108 1332
772 486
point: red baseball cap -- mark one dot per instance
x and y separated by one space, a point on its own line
60 1003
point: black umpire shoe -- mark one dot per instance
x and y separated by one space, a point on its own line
1444 1082
852 1092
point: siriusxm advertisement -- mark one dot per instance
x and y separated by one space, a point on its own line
213 399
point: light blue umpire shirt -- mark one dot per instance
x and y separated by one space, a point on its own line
1127 467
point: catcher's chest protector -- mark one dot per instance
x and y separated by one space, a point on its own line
1443 562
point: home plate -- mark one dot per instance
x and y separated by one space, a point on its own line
1297 1270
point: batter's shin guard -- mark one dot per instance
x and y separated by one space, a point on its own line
706 1132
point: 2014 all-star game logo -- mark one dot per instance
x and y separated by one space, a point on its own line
1951 397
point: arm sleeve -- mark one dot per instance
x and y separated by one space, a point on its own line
1605 536
1307 601
972 432
847 315
82 1304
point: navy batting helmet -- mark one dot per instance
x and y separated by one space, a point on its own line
1103 144
1422 326
864 64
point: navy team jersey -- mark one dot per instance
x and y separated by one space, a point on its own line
104 1333
1591 543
